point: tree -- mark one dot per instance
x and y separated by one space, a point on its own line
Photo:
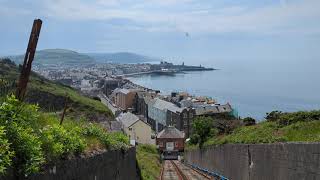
202 130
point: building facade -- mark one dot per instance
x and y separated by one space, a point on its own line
162 113
170 139
136 129
124 98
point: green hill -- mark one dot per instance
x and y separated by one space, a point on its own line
56 56
121 57
51 95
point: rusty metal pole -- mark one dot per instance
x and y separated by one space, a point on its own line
64 109
29 56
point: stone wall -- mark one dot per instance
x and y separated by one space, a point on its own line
288 161
117 164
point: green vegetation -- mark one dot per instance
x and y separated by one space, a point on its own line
36 138
202 130
301 126
148 161
54 56
49 94
5 153
79 103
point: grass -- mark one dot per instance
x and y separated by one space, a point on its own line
270 132
303 132
148 161
80 103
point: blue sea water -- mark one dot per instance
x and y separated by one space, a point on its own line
253 88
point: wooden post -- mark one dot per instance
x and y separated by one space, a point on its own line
64 109
28 58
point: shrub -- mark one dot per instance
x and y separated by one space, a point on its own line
28 151
273 116
116 140
5 153
202 126
285 119
93 130
18 120
249 121
61 142
194 139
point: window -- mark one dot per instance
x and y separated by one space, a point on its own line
191 115
185 115
130 129
161 144
176 144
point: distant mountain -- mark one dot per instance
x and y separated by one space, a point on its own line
56 56
121 57
68 57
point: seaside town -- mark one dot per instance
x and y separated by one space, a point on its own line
69 115
131 102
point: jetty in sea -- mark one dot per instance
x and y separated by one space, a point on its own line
165 68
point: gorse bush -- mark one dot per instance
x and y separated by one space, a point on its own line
5 153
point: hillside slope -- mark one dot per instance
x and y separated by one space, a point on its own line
51 95
56 56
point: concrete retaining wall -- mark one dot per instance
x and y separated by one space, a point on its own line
120 165
287 161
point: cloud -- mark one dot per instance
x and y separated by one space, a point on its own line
189 15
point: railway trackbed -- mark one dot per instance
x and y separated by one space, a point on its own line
175 170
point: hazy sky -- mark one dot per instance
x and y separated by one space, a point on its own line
229 29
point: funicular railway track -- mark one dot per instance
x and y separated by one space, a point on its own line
175 170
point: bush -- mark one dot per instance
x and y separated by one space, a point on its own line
61 142
18 120
194 139
249 121
202 126
27 146
116 140
285 119
93 130
5 153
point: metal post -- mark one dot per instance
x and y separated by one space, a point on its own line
29 56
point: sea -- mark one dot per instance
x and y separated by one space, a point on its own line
253 88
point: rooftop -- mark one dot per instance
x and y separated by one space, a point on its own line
164 105
170 132
127 119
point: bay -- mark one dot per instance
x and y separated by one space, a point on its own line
252 88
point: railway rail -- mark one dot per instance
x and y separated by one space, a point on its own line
175 170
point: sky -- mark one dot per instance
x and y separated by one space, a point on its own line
228 30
